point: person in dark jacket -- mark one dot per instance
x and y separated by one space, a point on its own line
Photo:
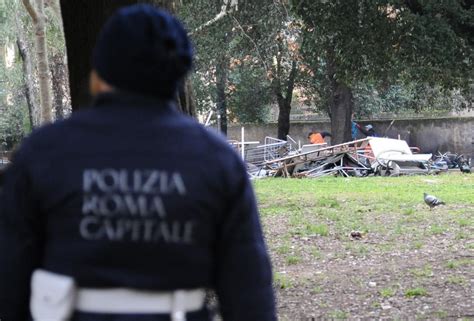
112 214
367 130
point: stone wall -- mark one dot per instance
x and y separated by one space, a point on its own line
454 134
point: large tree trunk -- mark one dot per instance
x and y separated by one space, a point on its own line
27 68
186 99
221 99
37 15
341 104
59 77
283 119
284 103
82 21
28 86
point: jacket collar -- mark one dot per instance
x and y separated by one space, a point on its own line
120 100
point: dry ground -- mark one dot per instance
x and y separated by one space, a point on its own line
411 263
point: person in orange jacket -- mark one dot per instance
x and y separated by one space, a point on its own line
318 138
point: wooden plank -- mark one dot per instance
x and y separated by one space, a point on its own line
345 147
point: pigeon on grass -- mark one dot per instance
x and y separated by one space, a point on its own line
432 201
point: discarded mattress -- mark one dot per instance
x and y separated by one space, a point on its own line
395 150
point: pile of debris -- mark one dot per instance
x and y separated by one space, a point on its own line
363 157
450 160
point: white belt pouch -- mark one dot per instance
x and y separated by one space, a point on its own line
52 296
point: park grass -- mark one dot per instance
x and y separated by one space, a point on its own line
340 205
307 225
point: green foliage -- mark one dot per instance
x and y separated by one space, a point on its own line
244 43
316 229
3 12
414 292
249 96
282 281
54 33
459 263
456 280
394 57
355 36
435 41
293 259
14 124
387 292
381 39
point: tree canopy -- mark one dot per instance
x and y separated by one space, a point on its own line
253 58
347 43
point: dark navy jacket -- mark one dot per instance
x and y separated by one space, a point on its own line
131 193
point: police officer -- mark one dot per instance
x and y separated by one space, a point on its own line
113 215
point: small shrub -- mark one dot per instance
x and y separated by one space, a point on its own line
282 281
316 290
293 259
423 272
457 263
315 252
464 222
415 292
387 292
436 230
283 249
417 245
461 236
338 314
329 202
454 279
317 229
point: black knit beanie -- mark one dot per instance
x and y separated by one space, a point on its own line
144 50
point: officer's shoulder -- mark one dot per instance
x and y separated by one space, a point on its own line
47 133
43 138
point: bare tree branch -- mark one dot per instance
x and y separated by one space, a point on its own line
233 6
31 10
254 44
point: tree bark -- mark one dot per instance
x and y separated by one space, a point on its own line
186 99
221 99
284 103
28 87
82 21
59 77
38 17
27 68
341 104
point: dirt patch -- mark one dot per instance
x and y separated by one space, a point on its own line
419 273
